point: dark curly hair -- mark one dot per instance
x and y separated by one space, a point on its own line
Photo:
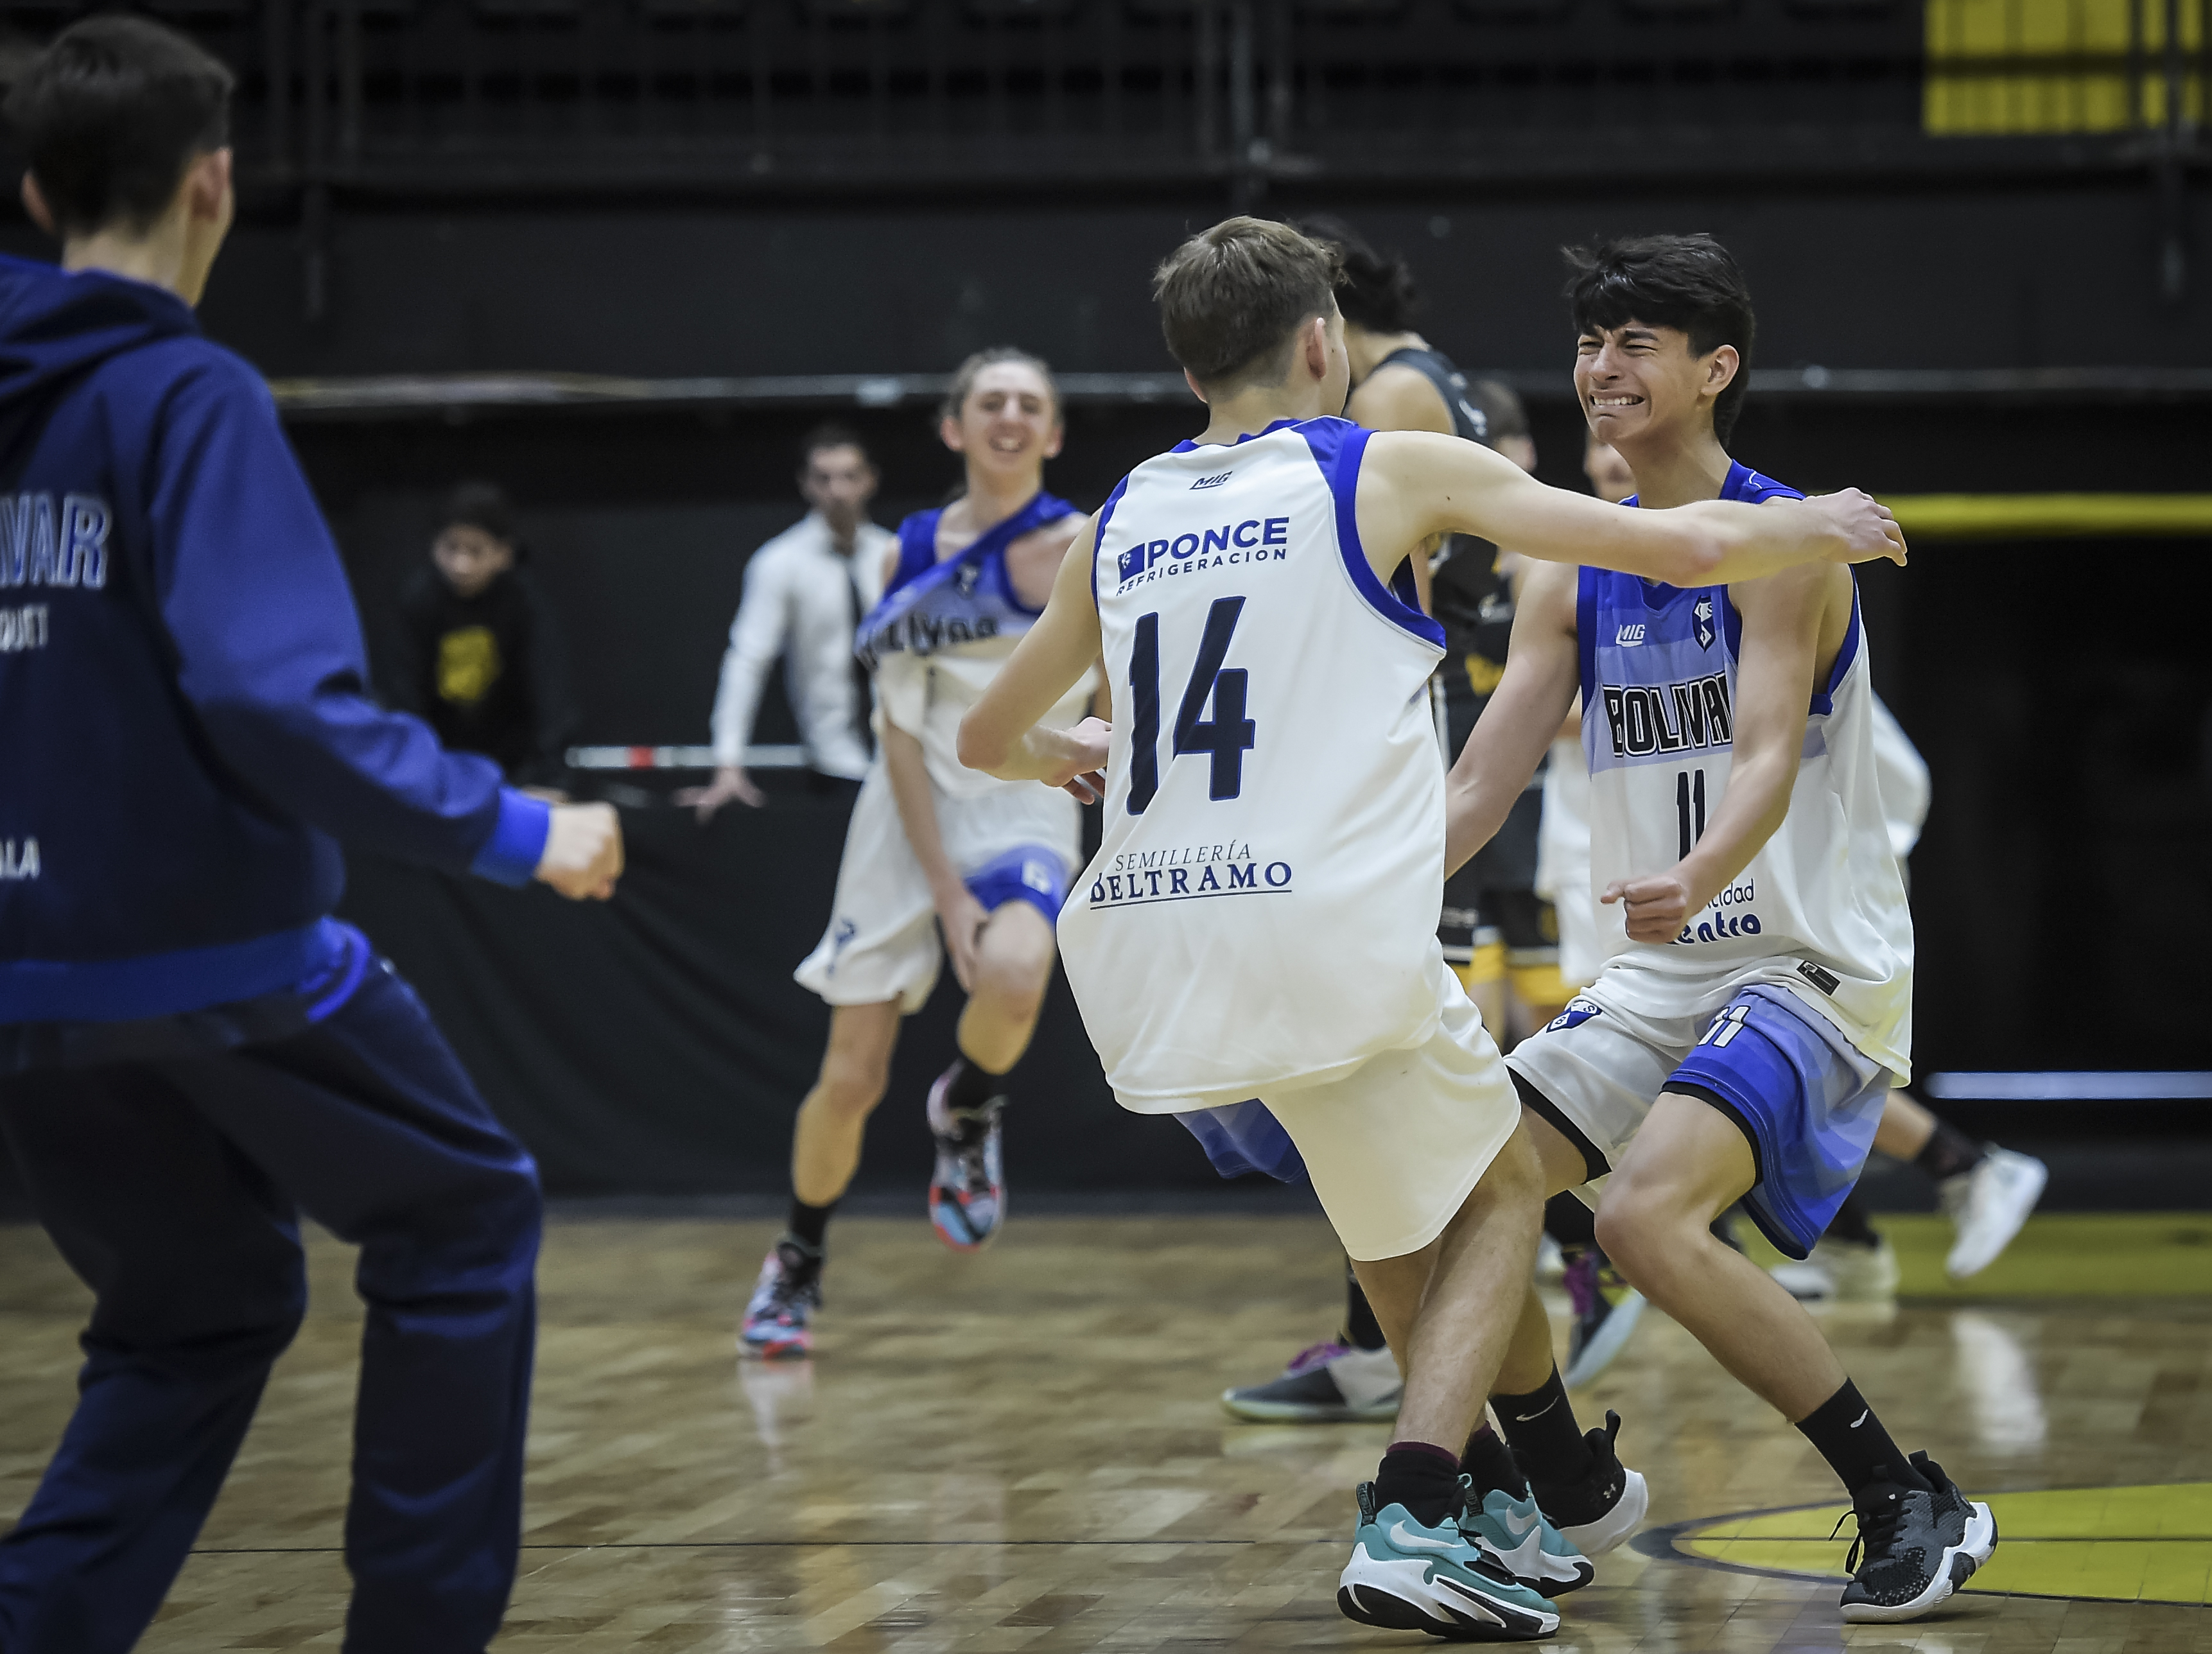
1689 282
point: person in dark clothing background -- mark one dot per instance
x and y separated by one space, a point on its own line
480 656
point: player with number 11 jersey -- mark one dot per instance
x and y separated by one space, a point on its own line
1257 933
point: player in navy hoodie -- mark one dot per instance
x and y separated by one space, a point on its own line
192 1049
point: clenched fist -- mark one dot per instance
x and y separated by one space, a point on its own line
1869 527
583 853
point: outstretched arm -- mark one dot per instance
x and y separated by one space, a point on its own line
1542 674
1414 484
1775 664
1000 733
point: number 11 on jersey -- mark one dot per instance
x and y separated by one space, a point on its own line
1688 798
1226 737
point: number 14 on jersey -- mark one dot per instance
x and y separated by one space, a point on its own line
1226 737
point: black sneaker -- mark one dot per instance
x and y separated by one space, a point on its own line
1914 1548
1605 1504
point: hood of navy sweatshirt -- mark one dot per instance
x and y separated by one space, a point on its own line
184 720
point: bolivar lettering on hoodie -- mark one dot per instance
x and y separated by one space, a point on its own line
184 720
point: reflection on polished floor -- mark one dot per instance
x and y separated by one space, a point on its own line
1023 1450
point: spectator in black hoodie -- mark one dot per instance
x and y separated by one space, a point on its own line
480 655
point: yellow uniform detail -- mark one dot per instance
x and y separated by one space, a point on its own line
468 664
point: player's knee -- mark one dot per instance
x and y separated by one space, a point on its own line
1631 1226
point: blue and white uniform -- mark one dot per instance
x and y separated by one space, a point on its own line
935 641
1787 1002
1256 938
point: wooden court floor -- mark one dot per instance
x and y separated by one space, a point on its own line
1024 1451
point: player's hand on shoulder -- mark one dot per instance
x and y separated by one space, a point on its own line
1655 906
583 853
1869 527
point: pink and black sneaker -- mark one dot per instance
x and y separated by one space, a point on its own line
968 1190
779 1320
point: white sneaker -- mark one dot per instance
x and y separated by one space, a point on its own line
1987 1206
1840 1272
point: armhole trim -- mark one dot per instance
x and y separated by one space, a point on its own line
1338 447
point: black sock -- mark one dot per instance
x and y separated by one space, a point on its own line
971 1087
1856 1447
809 1224
1851 1224
1423 1478
1489 1463
1361 1329
1948 1153
1541 1426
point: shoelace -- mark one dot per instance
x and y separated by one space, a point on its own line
1314 1354
1876 1532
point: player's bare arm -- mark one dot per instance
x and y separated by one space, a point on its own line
1794 624
1414 484
1001 734
1543 672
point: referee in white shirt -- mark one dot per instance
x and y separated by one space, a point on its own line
805 591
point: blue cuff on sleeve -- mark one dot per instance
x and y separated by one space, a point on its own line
511 854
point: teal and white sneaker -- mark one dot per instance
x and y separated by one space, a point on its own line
1405 1575
1523 1542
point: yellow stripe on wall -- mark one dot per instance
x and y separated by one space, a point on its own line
1999 67
2049 516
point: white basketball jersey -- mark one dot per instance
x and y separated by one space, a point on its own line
1820 909
1262 910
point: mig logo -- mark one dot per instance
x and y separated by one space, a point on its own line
1702 614
1629 636
1215 481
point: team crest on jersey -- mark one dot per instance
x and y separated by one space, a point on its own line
1578 1011
1702 614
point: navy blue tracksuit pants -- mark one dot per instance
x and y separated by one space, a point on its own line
171 1187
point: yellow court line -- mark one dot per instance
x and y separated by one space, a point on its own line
2041 516
2150 1543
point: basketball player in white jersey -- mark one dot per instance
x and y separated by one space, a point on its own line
1255 939
1740 1039
935 848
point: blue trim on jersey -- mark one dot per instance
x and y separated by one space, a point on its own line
1747 487
1098 539
1191 445
1824 701
917 543
1337 446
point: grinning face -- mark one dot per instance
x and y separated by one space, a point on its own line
470 558
1008 426
1638 384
